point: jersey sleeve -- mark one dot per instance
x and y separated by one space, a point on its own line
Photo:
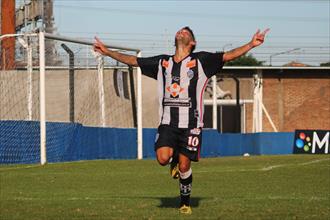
212 63
149 65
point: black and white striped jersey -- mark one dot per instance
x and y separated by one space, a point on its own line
181 85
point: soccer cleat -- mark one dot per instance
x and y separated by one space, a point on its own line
184 209
174 170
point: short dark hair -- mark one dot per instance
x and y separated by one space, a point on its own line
193 36
190 31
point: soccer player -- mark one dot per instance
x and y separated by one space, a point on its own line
182 78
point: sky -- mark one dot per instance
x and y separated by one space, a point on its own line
299 29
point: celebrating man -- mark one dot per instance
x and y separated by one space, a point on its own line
182 78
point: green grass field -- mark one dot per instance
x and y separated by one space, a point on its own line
260 187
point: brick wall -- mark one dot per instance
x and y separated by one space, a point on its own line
297 103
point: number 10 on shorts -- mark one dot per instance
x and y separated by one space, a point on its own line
193 143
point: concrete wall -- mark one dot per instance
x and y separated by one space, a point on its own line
14 96
297 102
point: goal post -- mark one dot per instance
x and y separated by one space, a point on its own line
42 92
19 99
42 95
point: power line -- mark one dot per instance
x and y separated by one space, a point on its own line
199 35
196 15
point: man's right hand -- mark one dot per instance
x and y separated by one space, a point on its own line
100 47
123 58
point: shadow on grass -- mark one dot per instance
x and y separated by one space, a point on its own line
166 202
175 202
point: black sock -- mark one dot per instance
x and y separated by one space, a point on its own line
185 190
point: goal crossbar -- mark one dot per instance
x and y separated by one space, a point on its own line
86 42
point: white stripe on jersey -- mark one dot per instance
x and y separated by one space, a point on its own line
184 83
201 83
165 117
160 90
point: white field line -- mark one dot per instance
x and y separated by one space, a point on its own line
299 164
274 167
267 168
202 171
39 165
20 168
314 161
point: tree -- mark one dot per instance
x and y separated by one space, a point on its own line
325 64
246 60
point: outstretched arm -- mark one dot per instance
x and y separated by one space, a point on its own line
123 58
258 39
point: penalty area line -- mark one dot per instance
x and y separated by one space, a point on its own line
20 168
314 161
266 168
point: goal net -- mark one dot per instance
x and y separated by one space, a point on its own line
74 87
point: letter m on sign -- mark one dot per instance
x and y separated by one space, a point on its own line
317 143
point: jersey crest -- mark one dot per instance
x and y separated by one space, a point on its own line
190 74
174 89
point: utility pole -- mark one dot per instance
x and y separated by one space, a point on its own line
7 50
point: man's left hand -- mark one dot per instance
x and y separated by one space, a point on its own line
258 38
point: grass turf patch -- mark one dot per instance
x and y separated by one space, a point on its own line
260 187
